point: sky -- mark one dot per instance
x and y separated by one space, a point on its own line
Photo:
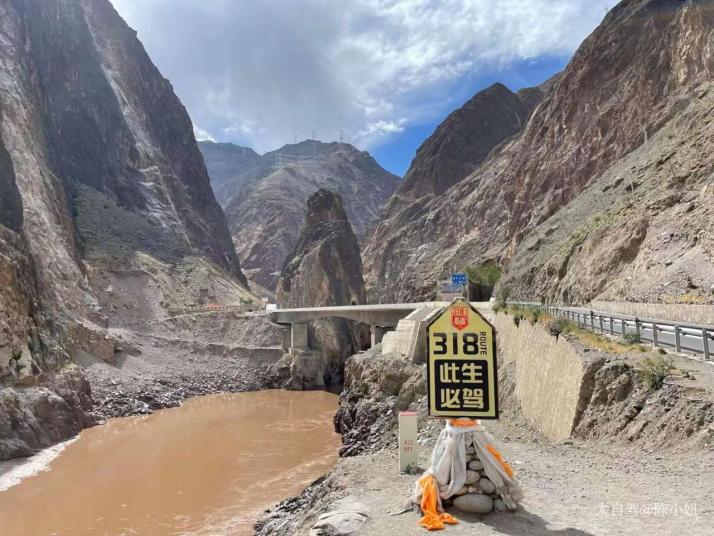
380 74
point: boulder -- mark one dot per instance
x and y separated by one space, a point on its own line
487 486
475 465
344 521
474 504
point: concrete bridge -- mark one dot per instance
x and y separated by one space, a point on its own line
380 317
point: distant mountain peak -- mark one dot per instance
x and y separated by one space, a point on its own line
265 198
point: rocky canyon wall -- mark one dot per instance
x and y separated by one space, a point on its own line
101 182
627 119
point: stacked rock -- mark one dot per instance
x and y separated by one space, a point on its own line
478 495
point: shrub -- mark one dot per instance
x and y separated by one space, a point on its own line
556 326
486 274
654 370
517 319
632 337
502 297
535 315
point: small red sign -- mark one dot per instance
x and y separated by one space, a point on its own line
459 317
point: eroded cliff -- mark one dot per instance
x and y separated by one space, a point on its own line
324 269
106 211
637 84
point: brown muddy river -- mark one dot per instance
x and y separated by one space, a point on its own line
207 468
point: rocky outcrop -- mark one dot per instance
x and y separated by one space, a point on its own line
325 269
377 387
615 115
36 416
267 205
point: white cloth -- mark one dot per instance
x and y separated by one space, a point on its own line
449 464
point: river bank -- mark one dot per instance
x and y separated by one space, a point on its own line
165 362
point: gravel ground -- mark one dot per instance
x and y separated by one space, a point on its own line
183 361
571 489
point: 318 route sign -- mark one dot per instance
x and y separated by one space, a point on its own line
461 367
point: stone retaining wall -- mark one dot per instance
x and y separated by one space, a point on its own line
551 375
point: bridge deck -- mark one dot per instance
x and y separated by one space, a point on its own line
383 314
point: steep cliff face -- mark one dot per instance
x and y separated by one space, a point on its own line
101 185
638 72
227 165
267 212
107 165
325 269
43 397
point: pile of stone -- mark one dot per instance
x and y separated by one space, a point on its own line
478 495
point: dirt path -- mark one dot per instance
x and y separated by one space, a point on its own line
573 490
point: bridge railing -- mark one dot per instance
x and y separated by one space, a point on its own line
679 336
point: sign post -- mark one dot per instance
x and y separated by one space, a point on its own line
408 446
461 365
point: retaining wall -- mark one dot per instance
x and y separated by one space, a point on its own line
552 377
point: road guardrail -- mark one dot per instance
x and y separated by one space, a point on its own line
679 336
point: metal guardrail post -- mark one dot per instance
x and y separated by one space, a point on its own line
637 327
592 320
705 343
602 329
612 328
677 340
654 334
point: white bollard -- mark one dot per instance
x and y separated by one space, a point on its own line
408 446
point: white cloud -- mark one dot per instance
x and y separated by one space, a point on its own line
263 72
202 135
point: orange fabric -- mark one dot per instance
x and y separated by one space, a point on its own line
432 519
463 422
499 458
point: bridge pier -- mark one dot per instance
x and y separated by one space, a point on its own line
377 333
298 336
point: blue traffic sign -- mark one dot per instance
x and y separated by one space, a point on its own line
459 278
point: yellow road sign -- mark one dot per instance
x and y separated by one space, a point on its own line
461 366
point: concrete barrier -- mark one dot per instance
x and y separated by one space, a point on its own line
552 378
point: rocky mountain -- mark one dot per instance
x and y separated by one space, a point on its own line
625 125
107 211
227 164
267 212
325 269
464 139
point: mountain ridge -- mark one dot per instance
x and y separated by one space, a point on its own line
633 75
267 209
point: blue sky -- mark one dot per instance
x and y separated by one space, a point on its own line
396 153
384 73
